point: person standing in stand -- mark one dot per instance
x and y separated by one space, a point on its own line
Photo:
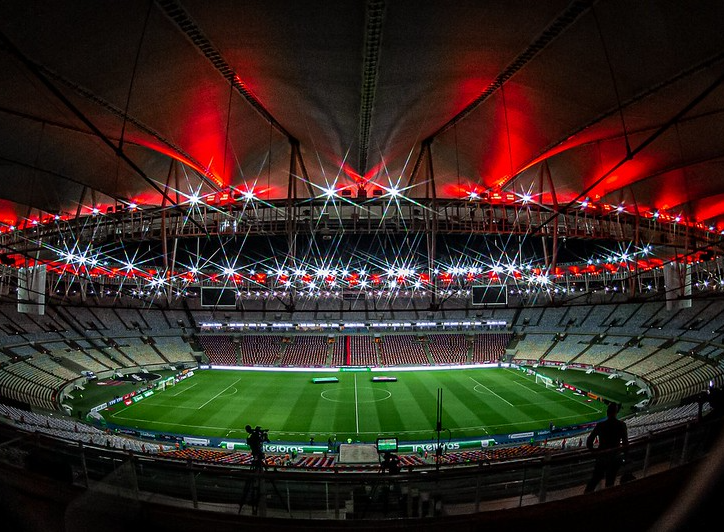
612 436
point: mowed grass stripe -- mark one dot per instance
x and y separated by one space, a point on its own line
219 403
464 405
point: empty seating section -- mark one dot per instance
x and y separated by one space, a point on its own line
260 350
363 351
449 348
568 349
147 319
642 424
311 351
54 347
592 317
102 355
173 348
109 319
322 461
85 319
663 361
625 316
639 322
219 349
396 350
691 316
177 318
677 352
533 346
712 352
23 351
85 361
529 317
15 321
69 429
139 352
553 317
629 356
48 365
489 347
26 384
598 354
35 372
695 380
493 454
339 352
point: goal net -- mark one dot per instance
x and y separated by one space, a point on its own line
545 381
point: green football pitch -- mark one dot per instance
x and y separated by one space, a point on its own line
476 403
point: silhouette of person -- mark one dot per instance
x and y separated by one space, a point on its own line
391 463
255 442
612 435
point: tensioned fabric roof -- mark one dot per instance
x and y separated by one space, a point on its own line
111 101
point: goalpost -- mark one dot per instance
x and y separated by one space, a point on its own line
545 381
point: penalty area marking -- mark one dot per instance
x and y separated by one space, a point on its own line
185 389
491 391
218 394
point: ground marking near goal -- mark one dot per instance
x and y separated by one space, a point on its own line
356 404
218 394
581 401
182 391
491 391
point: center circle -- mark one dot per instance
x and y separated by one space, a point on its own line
346 395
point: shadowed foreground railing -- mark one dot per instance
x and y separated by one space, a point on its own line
343 494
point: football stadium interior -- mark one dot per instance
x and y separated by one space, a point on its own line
353 265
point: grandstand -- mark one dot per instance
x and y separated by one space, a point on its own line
453 231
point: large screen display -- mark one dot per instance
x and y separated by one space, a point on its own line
490 295
218 297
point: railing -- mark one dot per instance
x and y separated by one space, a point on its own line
359 217
345 493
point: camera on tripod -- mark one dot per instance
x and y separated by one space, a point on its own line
256 439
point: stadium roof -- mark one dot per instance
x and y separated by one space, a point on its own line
111 102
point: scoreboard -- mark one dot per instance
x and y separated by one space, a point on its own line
490 295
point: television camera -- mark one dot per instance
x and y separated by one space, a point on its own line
256 439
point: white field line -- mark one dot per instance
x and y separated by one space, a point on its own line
356 404
185 389
218 394
491 391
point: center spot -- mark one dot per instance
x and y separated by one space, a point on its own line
364 395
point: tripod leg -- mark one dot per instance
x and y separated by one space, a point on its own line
251 490
245 494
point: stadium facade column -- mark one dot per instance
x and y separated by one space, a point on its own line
431 229
552 260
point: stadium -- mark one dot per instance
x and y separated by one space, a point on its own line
353 265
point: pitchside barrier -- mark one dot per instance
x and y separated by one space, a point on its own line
284 447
